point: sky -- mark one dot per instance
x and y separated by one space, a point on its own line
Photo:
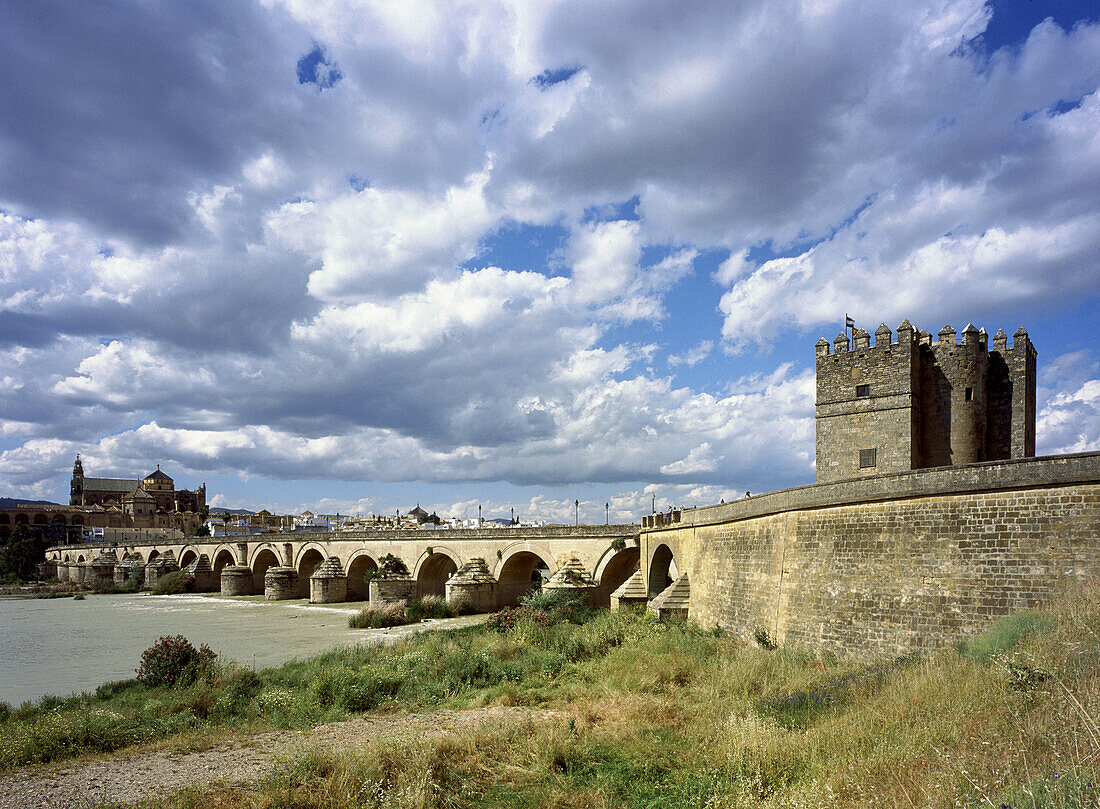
565 258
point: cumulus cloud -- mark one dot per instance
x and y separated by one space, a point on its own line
1069 404
301 260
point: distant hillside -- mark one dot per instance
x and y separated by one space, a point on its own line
12 502
220 510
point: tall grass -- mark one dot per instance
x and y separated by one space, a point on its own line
666 715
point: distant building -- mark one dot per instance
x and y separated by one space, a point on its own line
915 403
85 491
153 502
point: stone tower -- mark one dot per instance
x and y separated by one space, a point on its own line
76 487
915 403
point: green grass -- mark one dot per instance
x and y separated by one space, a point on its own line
651 715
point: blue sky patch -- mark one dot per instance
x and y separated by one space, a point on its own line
552 76
316 68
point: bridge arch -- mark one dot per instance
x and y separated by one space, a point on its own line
5 519
305 548
614 568
432 570
188 555
358 564
40 519
309 557
522 568
22 519
662 570
263 558
223 557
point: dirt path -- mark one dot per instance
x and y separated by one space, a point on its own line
128 778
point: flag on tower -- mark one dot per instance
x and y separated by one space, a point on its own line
849 323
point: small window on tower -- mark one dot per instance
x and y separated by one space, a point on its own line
868 458
969 394
863 391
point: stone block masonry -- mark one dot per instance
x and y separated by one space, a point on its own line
932 556
918 403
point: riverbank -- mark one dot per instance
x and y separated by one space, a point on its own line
62 646
651 714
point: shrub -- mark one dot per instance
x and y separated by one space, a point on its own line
390 565
372 617
172 661
558 604
764 638
427 607
173 583
509 617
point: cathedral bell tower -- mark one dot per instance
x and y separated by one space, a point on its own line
76 490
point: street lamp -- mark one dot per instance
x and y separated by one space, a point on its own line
607 513
654 504
577 508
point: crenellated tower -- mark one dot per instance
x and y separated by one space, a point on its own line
915 403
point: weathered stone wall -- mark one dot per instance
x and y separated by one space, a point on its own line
935 555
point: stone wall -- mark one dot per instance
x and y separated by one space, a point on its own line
892 564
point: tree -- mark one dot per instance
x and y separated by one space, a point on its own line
21 554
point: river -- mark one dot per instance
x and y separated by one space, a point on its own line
61 646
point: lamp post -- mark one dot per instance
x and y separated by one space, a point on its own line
479 515
607 513
577 509
654 511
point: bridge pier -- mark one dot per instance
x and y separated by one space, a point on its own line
473 587
236 580
328 584
280 583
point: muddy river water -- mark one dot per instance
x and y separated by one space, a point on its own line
61 646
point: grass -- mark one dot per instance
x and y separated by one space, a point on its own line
651 715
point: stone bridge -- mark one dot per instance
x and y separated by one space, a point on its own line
519 559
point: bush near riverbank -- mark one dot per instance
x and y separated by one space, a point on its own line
654 715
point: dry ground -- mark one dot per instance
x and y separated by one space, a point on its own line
132 776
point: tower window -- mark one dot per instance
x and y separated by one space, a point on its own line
969 394
863 391
868 458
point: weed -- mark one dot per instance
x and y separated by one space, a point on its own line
1007 633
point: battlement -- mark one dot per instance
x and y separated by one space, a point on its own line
907 335
913 402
